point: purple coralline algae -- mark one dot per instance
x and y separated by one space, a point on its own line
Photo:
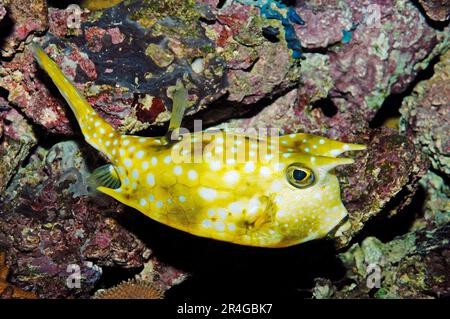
438 10
426 116
26 17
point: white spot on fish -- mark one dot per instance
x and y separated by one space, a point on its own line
144 165
135 174
215 165
335 152
143 202
127 162
182 199
154 161
167 159
207 193
249 167
219 226
151 179
231 177
140 154
177 170
235 207
192 174
264 171
206 223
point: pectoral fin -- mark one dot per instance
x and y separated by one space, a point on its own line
105 176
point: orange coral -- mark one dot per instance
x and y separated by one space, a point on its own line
132 289
8 291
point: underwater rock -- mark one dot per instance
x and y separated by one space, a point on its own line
437 202
25 17
27 91
161 274
391 42
438 10
127 58
17 139
426 116
8 291
127 64
257 68
2 11
415 265
382 180
53 229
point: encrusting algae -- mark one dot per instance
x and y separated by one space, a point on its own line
257 191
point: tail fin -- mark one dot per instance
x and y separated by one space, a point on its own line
97 132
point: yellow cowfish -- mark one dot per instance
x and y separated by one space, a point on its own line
274 191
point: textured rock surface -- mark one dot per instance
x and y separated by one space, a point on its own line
426 116
383 181
8 291
385 53
2 11
412 266
17 140
48 222
438 10
25 17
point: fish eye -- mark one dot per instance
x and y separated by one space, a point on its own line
299 176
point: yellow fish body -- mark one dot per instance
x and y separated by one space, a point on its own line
265 192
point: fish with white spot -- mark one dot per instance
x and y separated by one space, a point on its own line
265 192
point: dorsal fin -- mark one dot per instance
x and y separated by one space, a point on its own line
179 98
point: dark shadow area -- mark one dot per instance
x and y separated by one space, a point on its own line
391 105
327 106
439 25
220 4
220 269
62 4
6 28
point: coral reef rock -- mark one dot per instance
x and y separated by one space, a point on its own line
391 43
383 181
17 140
25 17
438 10
8 291
426 116
55 229
415 265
